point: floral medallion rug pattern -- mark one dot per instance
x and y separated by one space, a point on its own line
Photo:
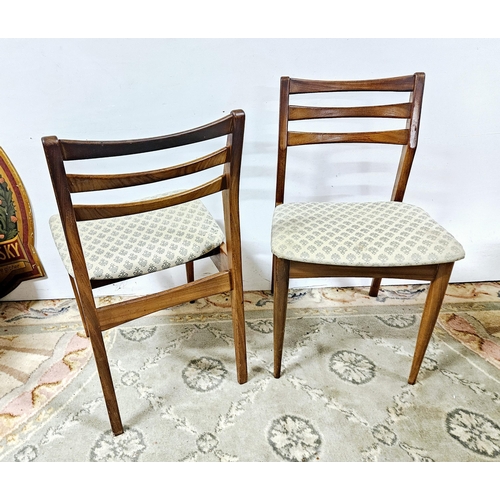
342 395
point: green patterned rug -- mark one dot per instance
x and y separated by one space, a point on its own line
342 397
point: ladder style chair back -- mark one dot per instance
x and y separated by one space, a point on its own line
97 247
388 239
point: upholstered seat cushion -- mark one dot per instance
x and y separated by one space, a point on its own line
138 244
361 234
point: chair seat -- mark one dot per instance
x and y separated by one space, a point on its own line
134 245
382 234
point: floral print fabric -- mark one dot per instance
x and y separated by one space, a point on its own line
383 234
122 247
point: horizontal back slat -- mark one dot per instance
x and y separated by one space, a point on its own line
386 137
77 150
402 110
79 183
397 84
91 212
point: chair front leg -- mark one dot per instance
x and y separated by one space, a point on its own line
433 302
281 275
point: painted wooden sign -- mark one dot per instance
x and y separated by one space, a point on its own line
18 258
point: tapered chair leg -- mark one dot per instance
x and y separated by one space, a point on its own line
86 306
240 350
281 274
190 271
93 330
78 303
108 389
433 302
375 287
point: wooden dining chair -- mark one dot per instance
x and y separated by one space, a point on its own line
102 243
386 239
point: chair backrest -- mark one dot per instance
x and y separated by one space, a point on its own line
406 136
59 152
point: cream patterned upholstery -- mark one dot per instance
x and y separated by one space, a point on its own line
361 234
138 244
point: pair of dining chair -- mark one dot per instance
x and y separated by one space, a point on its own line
102 243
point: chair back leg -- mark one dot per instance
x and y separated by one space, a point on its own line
93 330
375 287
190 271
78 303
108 389
240 350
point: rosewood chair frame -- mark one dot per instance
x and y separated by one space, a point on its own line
283 270
227 257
